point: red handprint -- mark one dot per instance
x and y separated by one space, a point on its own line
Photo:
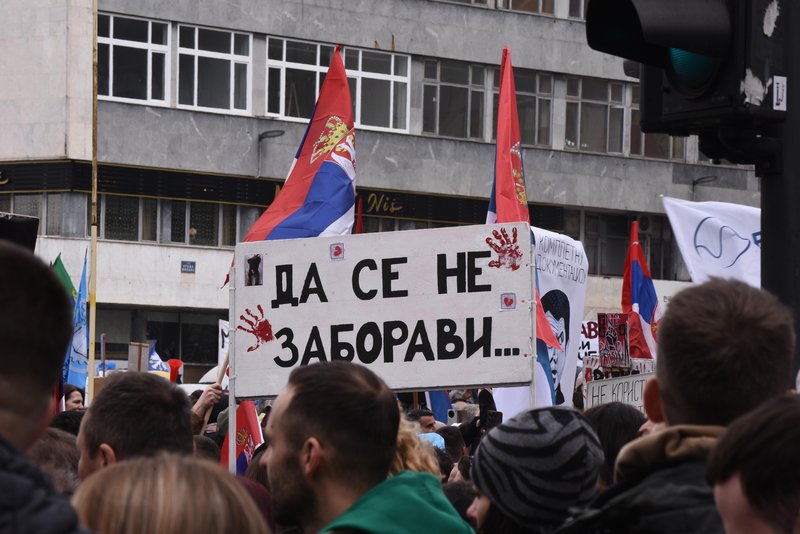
259 327
508 253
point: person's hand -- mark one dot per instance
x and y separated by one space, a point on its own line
208 399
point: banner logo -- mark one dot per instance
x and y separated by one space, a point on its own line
719 241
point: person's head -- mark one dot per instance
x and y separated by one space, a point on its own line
411 453
35 329
453 442
206 448
754 469
333 429
556 307
135 414
168 494
615 425
460 494
530 470
425 418
73 398
68 421
724 348
56 453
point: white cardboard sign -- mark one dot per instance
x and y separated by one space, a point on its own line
424 309
625 389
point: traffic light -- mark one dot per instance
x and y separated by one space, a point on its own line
715 68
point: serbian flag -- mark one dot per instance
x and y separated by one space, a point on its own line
508 201
639 300
248 437
318 196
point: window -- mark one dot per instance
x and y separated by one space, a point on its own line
606 241
129 218
594 115
133 59
534 102
577 9
214 69
453 99
474 2
529 6
204 224
378 82
653 145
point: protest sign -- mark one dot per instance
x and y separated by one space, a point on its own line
590 343
223 341
613 339
424 309
625 389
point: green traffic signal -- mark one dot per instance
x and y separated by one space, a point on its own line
691 73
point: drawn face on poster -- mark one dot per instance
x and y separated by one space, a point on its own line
556 307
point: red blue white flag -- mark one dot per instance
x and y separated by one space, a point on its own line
318 196
639 300
508 201
248 437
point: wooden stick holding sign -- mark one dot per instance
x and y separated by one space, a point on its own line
220 376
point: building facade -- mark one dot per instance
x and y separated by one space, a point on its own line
202 105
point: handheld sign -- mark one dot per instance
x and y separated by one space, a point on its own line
423 309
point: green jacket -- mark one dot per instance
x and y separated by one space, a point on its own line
407 503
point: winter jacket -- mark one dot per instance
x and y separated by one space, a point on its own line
661 488
407 503
28 502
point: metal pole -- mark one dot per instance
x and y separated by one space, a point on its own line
93 260
232 377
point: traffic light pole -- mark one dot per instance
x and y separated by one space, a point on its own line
780 192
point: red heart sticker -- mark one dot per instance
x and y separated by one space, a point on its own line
337 250
508 301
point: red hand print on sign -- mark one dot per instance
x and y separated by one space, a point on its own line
259 327
508 253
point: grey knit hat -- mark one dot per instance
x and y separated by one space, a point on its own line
539 464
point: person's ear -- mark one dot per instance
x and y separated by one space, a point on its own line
652 401
106 454
312 457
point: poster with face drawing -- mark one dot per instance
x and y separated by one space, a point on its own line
562 270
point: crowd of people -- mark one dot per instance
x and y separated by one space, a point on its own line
717 452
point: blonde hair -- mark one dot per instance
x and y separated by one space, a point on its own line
412 454
168 494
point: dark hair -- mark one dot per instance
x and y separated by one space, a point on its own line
445 463
724 347
56 453
615 424
453 442
460 494
35 326
69 389
557 303
497 522
761 448
416 415
68 421
139 414
206 448
349 408
255 471
465 467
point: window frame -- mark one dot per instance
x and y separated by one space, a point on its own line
231 57
151 48
471 88
609 103
538 95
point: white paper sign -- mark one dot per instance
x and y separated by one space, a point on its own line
625 389
424 309
222 341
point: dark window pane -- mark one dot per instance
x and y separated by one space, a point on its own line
593 127
543 133
149 219
240 86
571 131
203 224
612 260
616 92
130 72
186 79
301 52
430 70
157 83
300 93
453 103
615 130
636 133
187 37
531 6
103 24
575 9
351 59
525 81
158 32
353 91
573 87
54 213
102 69
545 84
400 65
595 89
122 218
325 55
453 72
400 101
228 225
495 105
656 146
178 222
429 109
213 83
274 91
477 75
678 148
214 41
548 7
198 343
374 102
476 114
130 29
526 109
376 62
241 44
496 79
635 94
275 50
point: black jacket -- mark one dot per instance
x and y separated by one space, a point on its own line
28 502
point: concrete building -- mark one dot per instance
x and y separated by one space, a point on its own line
194 95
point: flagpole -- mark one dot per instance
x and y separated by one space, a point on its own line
230 360
93 260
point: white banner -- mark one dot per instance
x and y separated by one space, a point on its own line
424 309
562 268
625 389
717 239
222 341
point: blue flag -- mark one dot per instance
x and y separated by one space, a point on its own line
76 364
